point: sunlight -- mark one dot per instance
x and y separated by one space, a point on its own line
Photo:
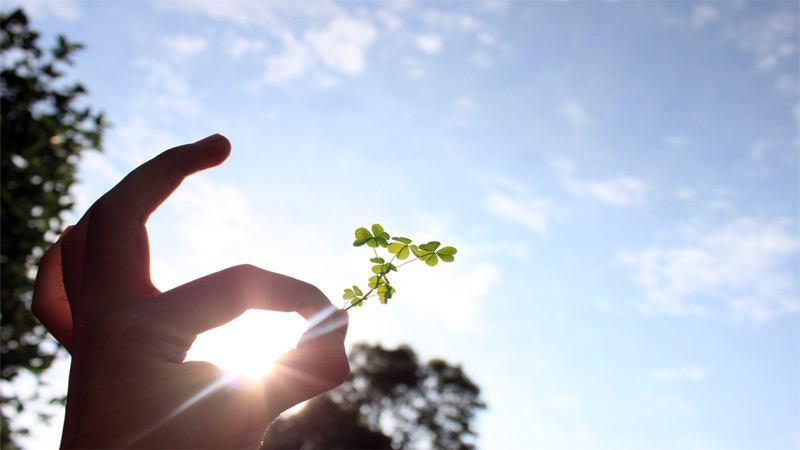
250 344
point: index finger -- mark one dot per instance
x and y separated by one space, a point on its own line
144 189
216 299
117 247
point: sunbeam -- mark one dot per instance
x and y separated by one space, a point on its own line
250 344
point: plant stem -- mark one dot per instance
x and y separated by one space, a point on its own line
410 260
383 275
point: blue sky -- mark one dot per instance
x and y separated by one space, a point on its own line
621 180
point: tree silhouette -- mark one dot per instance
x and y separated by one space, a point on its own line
43 135
392 400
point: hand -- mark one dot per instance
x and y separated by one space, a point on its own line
128 384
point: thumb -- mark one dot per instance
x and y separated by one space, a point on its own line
50 304
318 364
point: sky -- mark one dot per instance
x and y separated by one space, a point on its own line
620 178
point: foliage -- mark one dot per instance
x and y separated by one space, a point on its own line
401 248
390 394
43 133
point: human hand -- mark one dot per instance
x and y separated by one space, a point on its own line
128 384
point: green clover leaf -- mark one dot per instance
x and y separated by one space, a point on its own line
401 248
378 237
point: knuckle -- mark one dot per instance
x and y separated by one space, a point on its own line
311 291
244 279
244 274
171 160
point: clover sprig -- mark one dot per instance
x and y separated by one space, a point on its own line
401 249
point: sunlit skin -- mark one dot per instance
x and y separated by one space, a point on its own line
129 385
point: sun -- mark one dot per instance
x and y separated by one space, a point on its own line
250 344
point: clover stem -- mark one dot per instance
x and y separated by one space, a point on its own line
380 276
410 260
365 296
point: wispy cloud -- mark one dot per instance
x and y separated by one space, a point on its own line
702 14
68 10
332 40
429 43
531 213
772 39
168 92
342 43
185 44
743 268
676 140
293 61
242 45
482 59
575 113
686 373
615 191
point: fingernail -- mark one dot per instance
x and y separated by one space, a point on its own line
210 139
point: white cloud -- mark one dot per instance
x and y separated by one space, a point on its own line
575 113
495 5
293 62
743 268
329 36
676 140
772 39
241 12
451 294
487 38
390 19
137 140
465 103
703 14
323 39
340 46
166 90
687 373
685 193
759 148
413 68
469 26
482 59
788 84
619 191
185 44
452 20
343 43
68 10
531 213
429 43
616 191
242 45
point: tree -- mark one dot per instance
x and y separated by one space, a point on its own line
391 401
43 134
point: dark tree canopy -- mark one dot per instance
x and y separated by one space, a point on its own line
392 400
43 133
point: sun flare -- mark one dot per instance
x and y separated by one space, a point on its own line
250 344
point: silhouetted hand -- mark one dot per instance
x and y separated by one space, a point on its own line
128 384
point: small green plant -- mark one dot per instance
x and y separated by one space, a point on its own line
400 248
